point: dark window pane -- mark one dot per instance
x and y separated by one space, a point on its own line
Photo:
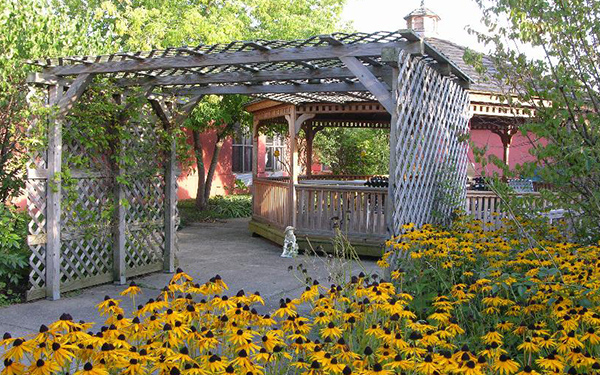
247 159
237 161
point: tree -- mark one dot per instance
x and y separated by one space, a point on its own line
31 29
224 115
562 88
354 151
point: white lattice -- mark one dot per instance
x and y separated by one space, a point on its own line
87 221
431 158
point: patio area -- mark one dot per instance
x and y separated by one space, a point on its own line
205 249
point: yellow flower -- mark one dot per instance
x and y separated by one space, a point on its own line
427 367
12 368
41 367
552 362
90 369
505 365
18 349
331 331
132 290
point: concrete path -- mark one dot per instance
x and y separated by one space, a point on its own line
206 249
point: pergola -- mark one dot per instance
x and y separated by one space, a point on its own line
422 91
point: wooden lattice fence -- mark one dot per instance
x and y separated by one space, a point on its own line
429 156
108 231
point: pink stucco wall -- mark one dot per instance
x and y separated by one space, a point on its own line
224 177
519 149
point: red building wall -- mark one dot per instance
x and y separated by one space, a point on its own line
224 177
518 154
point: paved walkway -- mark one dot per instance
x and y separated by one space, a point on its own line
206 249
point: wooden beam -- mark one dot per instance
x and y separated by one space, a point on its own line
68 100
184 110
464 79
171 117
233 58
42 79
161 110
301 119
373 85
239 77
270 89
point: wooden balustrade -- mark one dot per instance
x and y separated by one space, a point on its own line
484 206
487 207
270 202
359 211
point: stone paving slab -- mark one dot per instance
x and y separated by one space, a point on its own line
206 249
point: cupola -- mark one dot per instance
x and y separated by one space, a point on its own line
423 21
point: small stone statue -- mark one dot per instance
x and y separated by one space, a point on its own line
290 247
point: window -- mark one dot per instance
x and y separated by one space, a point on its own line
241 154
275 143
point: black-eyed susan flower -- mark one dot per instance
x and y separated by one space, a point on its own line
12 367
43 367
551 362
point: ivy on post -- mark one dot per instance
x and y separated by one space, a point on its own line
171 117
62 102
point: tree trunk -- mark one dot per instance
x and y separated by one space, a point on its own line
201 199
213 164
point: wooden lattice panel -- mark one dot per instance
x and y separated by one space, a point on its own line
430 156
144 214
88 226
36 207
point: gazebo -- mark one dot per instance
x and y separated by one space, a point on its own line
395 75
324 202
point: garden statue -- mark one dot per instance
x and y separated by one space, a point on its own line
290 247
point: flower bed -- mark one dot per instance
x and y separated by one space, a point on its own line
465 302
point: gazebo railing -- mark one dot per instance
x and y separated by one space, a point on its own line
357 210
271 201
484 206
487 207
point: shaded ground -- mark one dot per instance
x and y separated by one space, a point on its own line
206 249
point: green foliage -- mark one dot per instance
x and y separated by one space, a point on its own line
30 28
219 207
354 151
561 89
14 255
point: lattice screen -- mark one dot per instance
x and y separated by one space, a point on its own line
87 222
431 158
144 217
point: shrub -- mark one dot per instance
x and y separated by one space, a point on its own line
14 255
219 207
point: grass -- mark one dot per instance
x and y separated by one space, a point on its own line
219 208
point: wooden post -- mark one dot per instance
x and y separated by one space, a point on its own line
170 205
390 204
63 102
53 198
119 266
171 118
293 165
505 135
310 135
255 136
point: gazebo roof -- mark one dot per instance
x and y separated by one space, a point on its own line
297 71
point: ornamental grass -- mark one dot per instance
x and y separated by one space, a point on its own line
461 301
